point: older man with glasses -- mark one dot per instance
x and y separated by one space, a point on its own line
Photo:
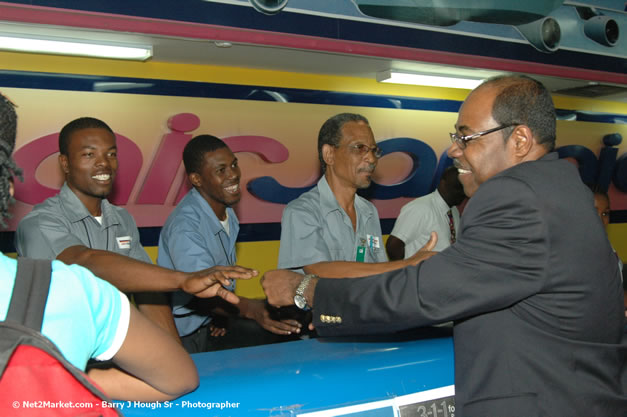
532 282
330 230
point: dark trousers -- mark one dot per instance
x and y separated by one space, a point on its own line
240 333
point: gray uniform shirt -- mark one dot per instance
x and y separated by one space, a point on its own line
314 228
63 221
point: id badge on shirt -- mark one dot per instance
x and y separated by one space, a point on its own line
124 242
361 254
372 242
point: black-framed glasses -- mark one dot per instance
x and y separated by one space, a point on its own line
361 149
462 140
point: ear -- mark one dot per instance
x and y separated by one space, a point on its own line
522 140
328 154
195 179
65 166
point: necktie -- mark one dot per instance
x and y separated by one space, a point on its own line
451 225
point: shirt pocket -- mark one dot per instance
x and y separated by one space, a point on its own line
376 254
339 254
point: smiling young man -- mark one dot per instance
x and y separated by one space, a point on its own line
80 226
330 230
201 233
531 282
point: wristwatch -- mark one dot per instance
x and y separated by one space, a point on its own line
299 298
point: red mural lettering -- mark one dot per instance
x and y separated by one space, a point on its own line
28 157
169 157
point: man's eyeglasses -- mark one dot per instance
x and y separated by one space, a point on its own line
462 140
361 149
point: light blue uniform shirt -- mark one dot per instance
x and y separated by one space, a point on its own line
192 239
63 221
314 228
85 317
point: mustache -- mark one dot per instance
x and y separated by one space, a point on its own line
370 168
458 165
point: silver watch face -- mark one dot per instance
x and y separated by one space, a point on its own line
300 301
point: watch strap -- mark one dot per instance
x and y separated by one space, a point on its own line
302 287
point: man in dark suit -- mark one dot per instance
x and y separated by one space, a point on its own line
532 282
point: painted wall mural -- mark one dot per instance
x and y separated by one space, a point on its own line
276 145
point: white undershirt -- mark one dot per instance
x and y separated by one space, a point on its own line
225 224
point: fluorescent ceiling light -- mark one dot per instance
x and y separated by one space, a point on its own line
74 47
398 77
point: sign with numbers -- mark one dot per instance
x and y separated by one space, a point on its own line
438 402
440 407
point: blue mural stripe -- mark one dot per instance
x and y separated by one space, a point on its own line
175 88
250 232
618 216
238 16
387 225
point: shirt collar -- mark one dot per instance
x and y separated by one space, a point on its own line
329 203
214 223
439 202
76 211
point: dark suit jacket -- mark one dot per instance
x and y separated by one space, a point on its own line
535 291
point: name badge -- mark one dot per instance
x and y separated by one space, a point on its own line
373 241
124 242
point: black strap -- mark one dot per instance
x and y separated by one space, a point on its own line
30 292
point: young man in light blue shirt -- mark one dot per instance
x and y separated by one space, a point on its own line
201 233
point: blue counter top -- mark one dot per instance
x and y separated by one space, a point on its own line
373 376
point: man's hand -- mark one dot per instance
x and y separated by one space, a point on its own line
210 282
216 331
256 310
425 252
280 286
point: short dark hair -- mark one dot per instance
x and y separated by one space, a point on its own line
450 188
79 124
524 101
8 167
598 189
195 150
449 173
331 132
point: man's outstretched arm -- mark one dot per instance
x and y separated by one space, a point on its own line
130 275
